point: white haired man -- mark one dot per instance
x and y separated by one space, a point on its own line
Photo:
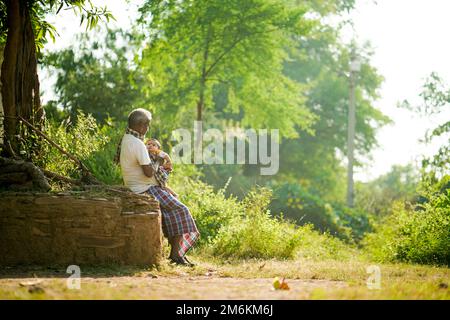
140 174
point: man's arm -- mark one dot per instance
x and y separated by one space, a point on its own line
143 158
148 170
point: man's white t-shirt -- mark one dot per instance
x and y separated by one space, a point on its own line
133 155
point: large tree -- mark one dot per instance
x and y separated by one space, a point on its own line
23 30
195 46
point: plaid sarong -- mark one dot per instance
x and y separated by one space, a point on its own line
161 176
176 219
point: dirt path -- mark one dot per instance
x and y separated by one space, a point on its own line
197 287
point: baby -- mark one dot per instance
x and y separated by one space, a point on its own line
162 159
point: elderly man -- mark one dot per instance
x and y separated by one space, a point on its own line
140 174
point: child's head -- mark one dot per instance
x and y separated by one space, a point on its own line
153 145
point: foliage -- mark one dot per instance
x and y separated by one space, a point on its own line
81 138
39 10
211 210
314 158
376 197
435 100
319 246
100 161
3 23
303 207
196 46
19 78
301 55
419 234
322 64
255 234
246 229
97 76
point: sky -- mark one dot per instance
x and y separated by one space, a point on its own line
410 40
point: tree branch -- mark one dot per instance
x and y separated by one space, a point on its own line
86 174
53 175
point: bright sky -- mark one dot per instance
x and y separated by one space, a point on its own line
410 40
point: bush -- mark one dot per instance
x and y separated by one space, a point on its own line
81 138
246 229
255 234
94 145
377 196
211 210
418 234
304 207
101 162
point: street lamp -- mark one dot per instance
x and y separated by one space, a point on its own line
355 67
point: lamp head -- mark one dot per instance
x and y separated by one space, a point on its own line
355 65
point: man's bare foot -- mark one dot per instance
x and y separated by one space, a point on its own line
191 264
179 261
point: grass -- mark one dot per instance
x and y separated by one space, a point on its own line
238 279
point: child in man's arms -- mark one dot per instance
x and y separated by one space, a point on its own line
163 160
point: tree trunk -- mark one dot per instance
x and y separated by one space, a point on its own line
200 104
20 84
201 98
21 175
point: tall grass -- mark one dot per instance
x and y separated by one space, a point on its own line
246 229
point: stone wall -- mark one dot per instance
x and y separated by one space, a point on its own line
79 228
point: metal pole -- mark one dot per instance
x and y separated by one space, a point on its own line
351 141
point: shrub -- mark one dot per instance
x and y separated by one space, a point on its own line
101 162
377 196
81 138
91 143
211 210
256 234
418 234
304 207
246 229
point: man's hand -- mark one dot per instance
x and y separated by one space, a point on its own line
148 170
167 162
168 166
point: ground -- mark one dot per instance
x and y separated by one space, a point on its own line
218 279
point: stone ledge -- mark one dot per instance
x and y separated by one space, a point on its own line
79 228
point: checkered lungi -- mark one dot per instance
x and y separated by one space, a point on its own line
176 219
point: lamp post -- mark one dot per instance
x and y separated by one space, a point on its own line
355 66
